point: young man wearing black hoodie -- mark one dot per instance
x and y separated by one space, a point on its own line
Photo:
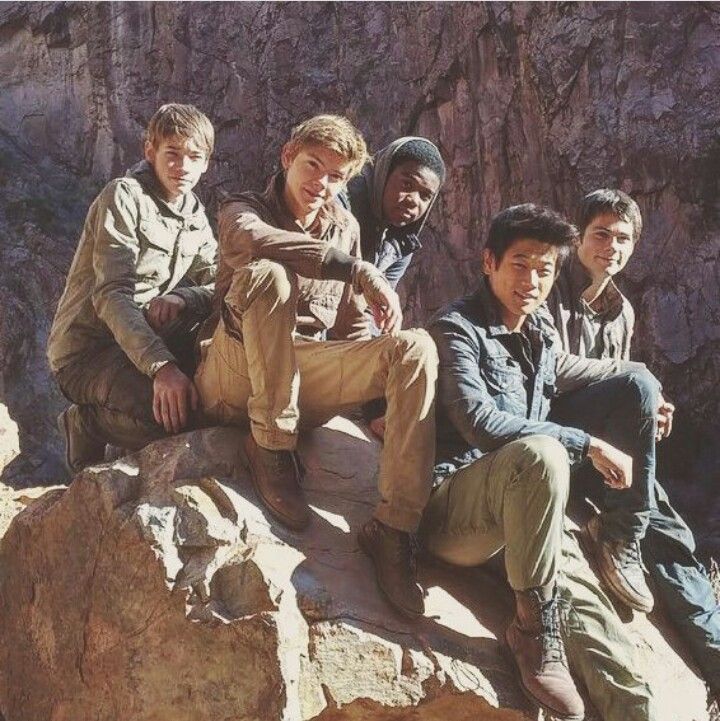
121 346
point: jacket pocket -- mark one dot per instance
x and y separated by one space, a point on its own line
157 244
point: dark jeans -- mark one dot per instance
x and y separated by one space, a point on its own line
115 398
621 411
681 583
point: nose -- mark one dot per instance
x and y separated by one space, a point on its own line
185 163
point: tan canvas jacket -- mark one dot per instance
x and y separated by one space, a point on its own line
258 225
133 248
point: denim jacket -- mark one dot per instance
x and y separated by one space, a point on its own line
487 396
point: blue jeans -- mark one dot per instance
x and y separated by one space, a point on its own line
620 410
621 405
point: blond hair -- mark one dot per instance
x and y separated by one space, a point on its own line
185 121
335 133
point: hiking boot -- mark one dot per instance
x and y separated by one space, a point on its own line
276 478
393 556
539 653
81 448
620 566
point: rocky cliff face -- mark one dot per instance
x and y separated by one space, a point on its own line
538 102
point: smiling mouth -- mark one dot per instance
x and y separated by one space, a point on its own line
526 298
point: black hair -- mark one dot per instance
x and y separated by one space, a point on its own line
608 200
422 152
534 222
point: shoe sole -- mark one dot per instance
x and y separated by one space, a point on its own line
365 548
277 515
589 546
510 656
65 433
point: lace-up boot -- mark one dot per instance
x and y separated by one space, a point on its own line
537 648
620 566
276 477
393 555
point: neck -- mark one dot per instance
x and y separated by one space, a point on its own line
595 289
302 215
513 322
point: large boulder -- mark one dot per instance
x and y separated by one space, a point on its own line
156 588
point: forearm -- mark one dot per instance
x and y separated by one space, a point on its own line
485 427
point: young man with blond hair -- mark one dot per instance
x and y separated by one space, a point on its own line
121 346
291 275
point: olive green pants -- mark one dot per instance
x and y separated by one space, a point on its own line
257 370
514 498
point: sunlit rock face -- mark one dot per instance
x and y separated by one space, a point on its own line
528 102
156 588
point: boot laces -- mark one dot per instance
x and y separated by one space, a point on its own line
628 554
550 620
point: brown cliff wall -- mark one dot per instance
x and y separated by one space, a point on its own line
537 102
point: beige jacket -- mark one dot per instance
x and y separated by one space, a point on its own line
133 248
258 225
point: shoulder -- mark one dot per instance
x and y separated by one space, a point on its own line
460 316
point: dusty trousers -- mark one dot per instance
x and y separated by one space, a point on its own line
257 369
115 399
514 498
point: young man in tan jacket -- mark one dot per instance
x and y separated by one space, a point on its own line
121 346
291 276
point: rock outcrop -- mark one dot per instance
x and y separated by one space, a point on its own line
528 101
155 588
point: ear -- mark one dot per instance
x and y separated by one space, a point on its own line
287 155
488 261
149 152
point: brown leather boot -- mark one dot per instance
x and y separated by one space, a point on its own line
537 647
392 554
276 478
81 448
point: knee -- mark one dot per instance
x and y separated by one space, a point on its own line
645 390
263 280
418 348
543 460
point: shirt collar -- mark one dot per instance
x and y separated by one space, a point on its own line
611 299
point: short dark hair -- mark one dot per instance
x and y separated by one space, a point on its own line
422 152
530 221
609 200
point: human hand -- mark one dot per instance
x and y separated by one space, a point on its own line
164 309
613 465
381 298
377 426
174 394
664 418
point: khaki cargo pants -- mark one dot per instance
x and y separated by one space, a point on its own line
257 369
515 498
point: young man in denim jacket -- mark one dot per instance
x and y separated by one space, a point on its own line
502 468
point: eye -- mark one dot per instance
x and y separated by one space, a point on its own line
426 197
337 178
623 239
